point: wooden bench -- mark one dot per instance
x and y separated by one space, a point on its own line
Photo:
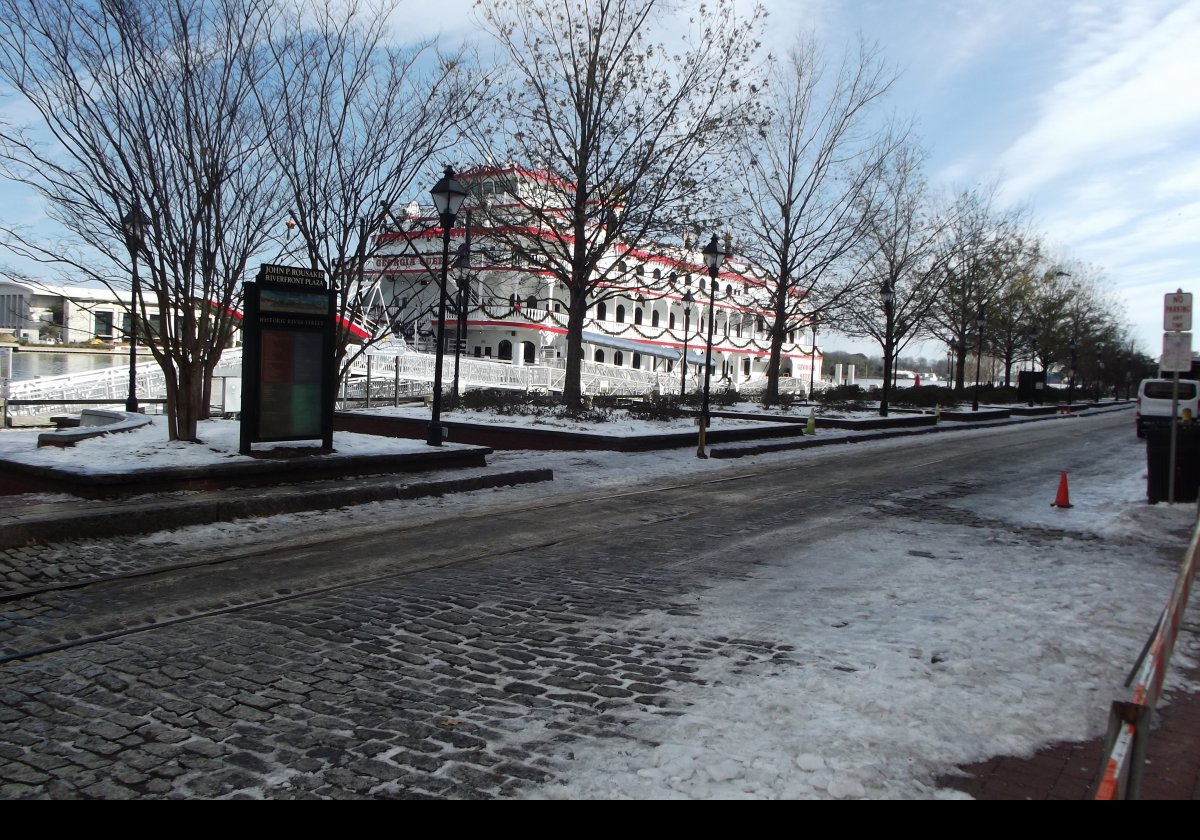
93 422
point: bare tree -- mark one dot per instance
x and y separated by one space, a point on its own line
625 132
979 249
1088 323
145 113
1010 331
806 183
902 264
354 123
1047 309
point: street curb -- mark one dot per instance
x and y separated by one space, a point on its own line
131 517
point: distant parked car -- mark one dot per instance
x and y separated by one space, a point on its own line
1154 402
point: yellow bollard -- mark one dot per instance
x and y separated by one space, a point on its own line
811 428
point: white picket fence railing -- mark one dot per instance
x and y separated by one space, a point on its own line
72 388
411 373
383 371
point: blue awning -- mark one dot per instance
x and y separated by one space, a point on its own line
672 353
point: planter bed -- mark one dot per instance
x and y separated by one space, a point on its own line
541 438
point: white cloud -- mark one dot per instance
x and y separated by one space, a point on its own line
1109 217
450 21
1154 235
1120 98
1183 178
977 28
786 19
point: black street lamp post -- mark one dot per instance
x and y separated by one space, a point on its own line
712 260
981 324
1074 346
1033 337
887 294
448 196
688 300
134 224
812 362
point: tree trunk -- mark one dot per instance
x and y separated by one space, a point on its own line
172 388
779 299
210 367
190 403
572 384
771 395
960 369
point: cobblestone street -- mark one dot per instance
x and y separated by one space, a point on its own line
562 633
393 691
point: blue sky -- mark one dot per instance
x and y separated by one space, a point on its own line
1084 111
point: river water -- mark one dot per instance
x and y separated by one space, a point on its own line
31 365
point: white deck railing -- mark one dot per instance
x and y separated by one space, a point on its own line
482 373
414 370
71 388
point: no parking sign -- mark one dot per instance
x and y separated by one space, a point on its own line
1177 311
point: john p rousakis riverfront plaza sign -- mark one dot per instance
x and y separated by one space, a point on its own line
288 375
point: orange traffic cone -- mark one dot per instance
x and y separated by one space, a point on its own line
1064 498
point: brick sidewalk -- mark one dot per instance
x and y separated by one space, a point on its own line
1070 771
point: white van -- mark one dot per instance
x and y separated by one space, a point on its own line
1154 402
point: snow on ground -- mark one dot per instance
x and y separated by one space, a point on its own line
919 645
917 648
147 446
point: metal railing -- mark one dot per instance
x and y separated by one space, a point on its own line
96 387
107 386
1130 720
595 378
371 376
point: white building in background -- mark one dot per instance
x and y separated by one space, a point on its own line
45 314
514 312
38 313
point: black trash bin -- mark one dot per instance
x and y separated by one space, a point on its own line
1187 463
